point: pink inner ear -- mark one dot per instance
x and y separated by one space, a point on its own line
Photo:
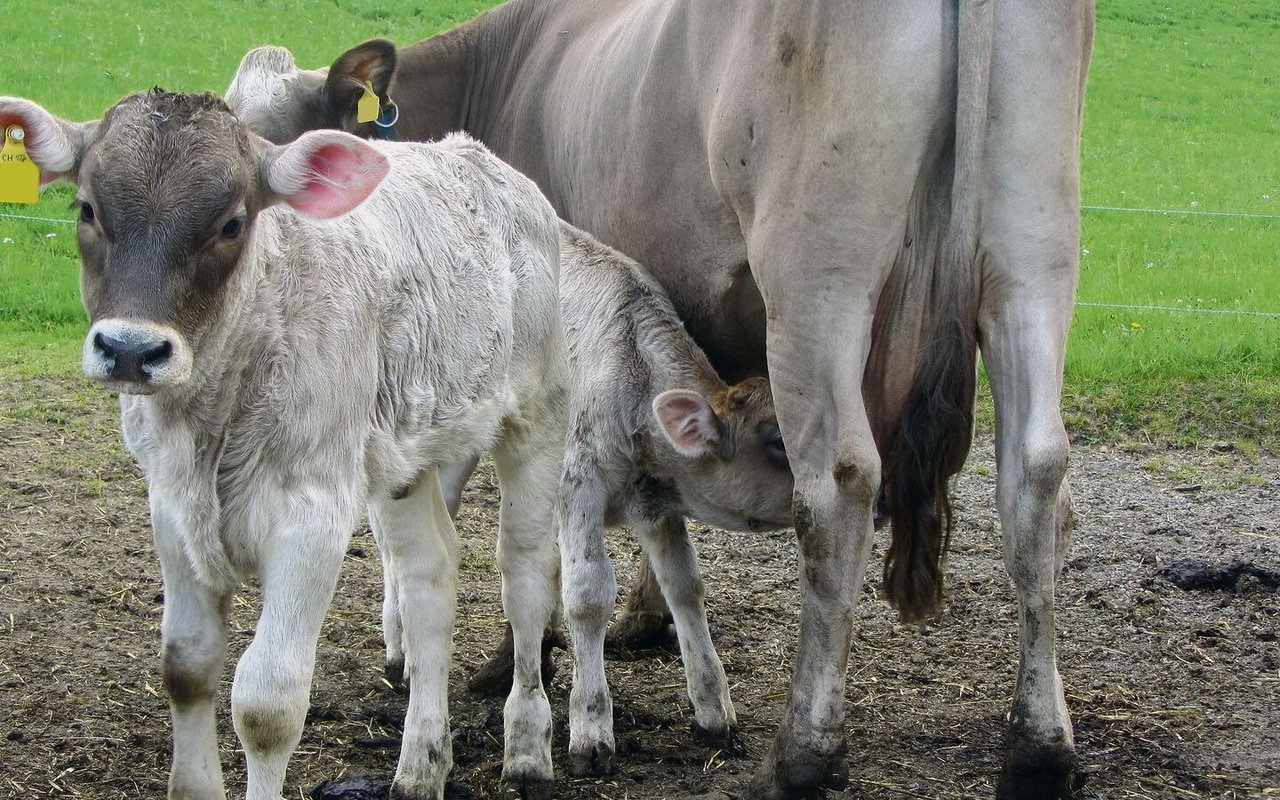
339 179
682 419
32 144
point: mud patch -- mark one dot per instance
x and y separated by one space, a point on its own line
1174 693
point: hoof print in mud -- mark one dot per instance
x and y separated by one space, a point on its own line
1226 576
352 787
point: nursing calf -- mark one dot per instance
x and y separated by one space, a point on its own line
280 371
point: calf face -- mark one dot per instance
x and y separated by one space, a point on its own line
730 465
170 187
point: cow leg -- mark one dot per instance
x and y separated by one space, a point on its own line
299 572
193 633
643 622
1024 359
817 386
590 591
528 464
421 547
675 566
1031 238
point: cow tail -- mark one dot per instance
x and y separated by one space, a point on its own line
936 428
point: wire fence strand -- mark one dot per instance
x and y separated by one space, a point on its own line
1181 212
1081 303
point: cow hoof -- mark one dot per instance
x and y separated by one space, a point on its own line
640 630
591 762
728 740
1038 771
797 775
493 678
393 671
528 782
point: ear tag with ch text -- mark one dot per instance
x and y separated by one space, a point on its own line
19 175
369 105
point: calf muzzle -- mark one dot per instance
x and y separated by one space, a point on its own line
135 357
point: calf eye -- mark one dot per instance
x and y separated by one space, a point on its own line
86 213
233 228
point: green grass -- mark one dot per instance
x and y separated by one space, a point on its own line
1183 113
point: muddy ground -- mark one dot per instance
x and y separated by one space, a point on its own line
1175 693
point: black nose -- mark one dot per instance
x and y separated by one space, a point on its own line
133 361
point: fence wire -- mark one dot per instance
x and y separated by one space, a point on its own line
1079 303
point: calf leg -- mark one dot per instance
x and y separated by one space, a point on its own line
675 565
590 591
194 636
298 570
453 479
528 461
421 548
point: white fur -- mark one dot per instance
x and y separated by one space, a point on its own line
348 359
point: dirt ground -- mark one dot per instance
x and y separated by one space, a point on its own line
1175 693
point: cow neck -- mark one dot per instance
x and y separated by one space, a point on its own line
431 84
496 46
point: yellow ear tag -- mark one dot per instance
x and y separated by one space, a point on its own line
369 105
19 175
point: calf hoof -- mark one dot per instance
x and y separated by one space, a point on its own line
393 671
640 630
494 677
596 761
1037 772
727 740
529 782
788 776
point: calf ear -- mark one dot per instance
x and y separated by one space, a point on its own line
54 144
374 61
323 173
688 422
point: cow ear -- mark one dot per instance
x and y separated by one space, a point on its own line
323 173
688 422
54 144
374 62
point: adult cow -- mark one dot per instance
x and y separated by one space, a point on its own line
279 370
858 195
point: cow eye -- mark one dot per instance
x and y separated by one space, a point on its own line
233 228
87 215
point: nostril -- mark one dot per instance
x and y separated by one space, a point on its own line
157 354
108 345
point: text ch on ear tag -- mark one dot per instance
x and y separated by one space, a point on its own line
19 175
368 106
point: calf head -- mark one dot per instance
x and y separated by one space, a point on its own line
726 455
280 102
170 187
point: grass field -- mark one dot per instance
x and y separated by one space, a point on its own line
1183 114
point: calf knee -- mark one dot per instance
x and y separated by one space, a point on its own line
190 670
269 706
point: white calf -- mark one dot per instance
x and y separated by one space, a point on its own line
279 372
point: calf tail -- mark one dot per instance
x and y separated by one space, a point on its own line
936 428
